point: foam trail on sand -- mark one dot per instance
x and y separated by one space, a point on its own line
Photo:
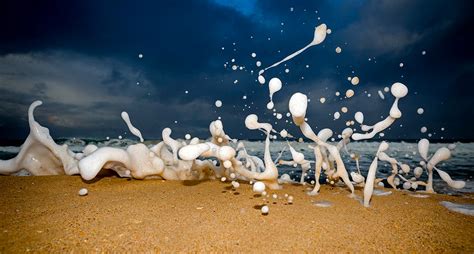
466 209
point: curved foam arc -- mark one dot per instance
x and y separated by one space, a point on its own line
130 126
452 183
91 165
440 155
136 161
297 156
39 154
394 110
192 152
394 163
325 134
378 127
318 37
398 90
173 144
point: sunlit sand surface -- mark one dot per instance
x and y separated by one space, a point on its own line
46 214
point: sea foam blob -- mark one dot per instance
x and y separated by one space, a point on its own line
274 85
298 104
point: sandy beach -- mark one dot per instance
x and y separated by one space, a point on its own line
46 214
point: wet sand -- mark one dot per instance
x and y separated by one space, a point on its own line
46 214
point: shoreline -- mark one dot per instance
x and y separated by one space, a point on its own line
46 214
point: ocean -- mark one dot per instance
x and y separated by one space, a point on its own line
460 166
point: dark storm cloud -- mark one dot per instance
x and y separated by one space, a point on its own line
81 58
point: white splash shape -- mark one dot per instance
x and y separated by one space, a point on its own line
399 91
297 105
319 36
136 161
359 117
449 181
423 147
370 182
274 85
130 126
39 154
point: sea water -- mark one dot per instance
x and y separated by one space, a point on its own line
459 166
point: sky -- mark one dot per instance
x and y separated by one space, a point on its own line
81 58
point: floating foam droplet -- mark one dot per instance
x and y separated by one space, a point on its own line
423 129
349 93
322 100
265 210
355 81
420 111
381 95
218 103
338 50
359 117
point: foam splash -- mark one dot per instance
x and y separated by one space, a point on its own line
399 91
319 36
130 126
228 160
39 154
